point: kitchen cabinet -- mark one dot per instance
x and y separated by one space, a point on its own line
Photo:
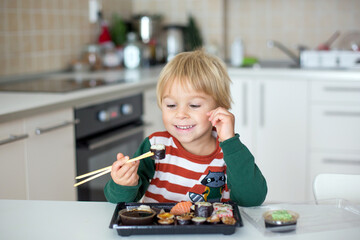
50 156
271 118
243 109
334 128
41 166
12 160
152 113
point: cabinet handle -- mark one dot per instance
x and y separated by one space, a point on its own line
39 131
342 113
245 97
342 89
262 105
13 138
341 161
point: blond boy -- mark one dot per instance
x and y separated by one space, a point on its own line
205 159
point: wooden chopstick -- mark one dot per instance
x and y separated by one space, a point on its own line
93 177
93 172
142 156
105 170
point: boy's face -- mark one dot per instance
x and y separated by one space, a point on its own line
184 115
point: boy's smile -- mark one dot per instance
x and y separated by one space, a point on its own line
184 116
185 127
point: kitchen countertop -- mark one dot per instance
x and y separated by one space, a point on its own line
27 219
15 105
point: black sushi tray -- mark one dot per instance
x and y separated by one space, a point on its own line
155 228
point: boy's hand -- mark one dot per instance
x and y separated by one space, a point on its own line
224 122
123 173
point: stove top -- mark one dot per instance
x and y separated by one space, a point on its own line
55 85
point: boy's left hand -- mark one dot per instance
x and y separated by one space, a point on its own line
224 122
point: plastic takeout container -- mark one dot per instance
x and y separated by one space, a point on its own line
318 216
280 225
155 228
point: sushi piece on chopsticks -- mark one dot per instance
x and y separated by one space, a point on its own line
158 150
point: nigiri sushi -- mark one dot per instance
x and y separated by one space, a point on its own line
181 208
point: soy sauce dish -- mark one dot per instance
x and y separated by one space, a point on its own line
137 216
280 220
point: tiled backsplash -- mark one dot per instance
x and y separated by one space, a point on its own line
45 35
292 22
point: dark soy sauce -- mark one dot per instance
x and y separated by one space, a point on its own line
137 213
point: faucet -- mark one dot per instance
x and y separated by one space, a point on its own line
289 53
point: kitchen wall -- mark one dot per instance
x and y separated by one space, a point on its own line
292 22
209 16
45 35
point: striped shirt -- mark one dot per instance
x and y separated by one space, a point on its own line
183 176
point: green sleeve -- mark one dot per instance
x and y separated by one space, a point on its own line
117 193
246 183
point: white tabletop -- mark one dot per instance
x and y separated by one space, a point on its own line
25 219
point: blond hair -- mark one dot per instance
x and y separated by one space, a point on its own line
203 72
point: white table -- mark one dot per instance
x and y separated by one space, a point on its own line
25 219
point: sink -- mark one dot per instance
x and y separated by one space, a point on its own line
275 64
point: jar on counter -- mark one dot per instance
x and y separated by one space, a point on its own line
91 56
111 58
132 52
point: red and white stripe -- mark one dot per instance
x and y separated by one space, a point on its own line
180 171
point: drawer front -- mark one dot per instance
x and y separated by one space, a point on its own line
335 127
340 92
12 161
345 163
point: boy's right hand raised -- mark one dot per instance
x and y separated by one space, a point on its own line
123 173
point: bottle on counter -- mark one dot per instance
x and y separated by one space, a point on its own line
132 52
237 53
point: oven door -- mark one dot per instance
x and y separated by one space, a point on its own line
101 151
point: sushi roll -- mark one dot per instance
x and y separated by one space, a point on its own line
198 220
222 206
184 219
158 150
203 209
223 213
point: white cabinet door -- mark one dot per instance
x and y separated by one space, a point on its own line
271 118
332 162
281 135
242 108
51 156
152 113
12 161
335 127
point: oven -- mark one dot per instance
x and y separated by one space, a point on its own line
103 131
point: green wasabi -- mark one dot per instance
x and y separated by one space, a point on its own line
281 215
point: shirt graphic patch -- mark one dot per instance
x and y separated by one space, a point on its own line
213 185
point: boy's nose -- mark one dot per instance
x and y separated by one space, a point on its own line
181 112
